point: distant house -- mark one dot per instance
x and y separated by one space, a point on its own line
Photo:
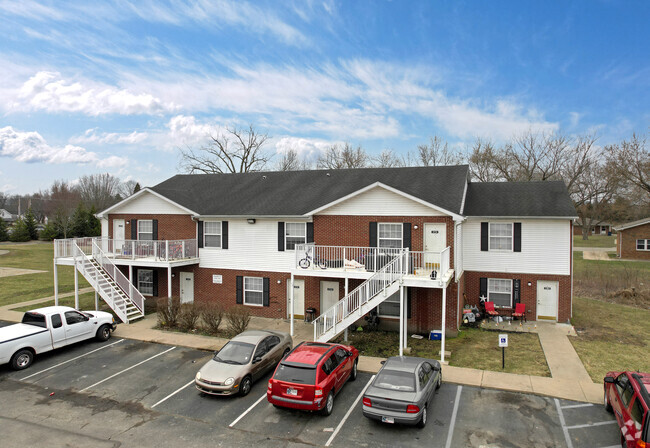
9 217
633 240
603 228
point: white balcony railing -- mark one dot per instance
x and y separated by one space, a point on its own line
156 250
371 259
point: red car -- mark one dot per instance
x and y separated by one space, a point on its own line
626 394
311 375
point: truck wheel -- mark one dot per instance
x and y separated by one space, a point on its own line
104 333
22 359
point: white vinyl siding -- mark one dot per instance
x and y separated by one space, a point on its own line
295 233
380 202
145 281
642 244
545 248
151 204
212 234
500 292
145 229
254 291
389 235
500 236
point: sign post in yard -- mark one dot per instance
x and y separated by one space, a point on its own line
503 343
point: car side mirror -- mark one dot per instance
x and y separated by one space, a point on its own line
86 318
257 359
382 362
348 353
609 379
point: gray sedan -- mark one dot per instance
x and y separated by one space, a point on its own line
244 359
402 391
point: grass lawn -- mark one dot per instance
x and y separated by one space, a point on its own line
39 256
473 348
595 241
86 303
611 337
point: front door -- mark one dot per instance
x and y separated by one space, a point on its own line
118 235
435 241
547 294
329 295
187 287
298 298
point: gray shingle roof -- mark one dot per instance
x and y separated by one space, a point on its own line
519 199
295 193
628 225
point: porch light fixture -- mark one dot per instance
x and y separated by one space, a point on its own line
251 220
530 284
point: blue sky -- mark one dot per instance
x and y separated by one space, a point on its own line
120 86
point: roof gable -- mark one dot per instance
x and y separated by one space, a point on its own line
147 201
637 223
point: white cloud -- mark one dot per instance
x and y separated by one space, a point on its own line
186 131
31 147
111 138
306 148
49 92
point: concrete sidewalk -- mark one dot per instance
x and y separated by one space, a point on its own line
569 379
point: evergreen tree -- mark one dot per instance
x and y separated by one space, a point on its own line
79 222
93 225
4 236
20 232
51 231
137 187
30 222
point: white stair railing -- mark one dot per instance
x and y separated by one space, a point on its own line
125 285
353 304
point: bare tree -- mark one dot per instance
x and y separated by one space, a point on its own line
483 161
62 201
233 151
437 153
127 188
291 161
388 159
343 156
99 190
593 193
631 161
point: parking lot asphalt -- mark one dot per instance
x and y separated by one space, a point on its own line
132 393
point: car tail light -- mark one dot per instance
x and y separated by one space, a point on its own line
642 444
367 402
412 409
318 393
270 385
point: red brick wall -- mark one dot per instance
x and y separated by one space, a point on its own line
626 242
170 227
528 293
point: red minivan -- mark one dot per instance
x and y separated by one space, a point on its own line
626 394
311 375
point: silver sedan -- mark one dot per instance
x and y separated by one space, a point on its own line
403 390
244 359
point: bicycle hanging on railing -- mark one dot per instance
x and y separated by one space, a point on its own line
306 262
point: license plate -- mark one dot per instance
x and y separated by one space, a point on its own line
291 391
387 420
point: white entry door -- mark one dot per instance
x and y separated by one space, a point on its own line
298 298
118 235
435 240
547 295
187 287
329 295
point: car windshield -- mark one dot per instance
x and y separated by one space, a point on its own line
292 374
395 380
235 353
35 319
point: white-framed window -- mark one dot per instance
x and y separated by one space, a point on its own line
389 234
294 233
390 306
642 244
254 291
145 281
500 292
145 229
501 236
603 229
212 234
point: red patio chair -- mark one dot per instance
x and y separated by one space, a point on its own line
489 309
520 311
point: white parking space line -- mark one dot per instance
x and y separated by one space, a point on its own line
70 360
172 394
347 414
453 417
127 369
569 444
573 406
247 411
589 425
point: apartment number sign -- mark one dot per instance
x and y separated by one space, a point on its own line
217 279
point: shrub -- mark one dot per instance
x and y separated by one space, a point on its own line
4 236
188 316
238 318
50 232
168 311
19 232
211 315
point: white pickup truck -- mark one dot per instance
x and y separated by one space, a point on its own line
45 329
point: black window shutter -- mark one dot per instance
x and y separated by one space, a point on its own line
200 233
155 283
224 234
154 227
265 291
482 290
484 236
240 289
407 235
516 245
408 303
310 232
281 236
134 229
516 291
373 234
